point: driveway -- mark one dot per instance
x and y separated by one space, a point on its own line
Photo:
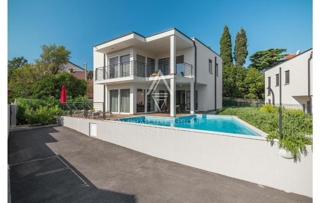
57 164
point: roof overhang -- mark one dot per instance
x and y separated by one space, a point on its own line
156 44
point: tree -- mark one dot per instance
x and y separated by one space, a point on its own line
50 86
226 47
20 81
229 86
262 60
240 87
254 81
240 48
52 59
15 63
90 75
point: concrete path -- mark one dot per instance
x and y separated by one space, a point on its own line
57 164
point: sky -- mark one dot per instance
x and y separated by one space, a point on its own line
79 25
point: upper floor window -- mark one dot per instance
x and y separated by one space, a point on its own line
287 77
210 66
216 67
269 84
277 80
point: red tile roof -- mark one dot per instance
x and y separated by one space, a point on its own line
289 56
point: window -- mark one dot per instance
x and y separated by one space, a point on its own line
287 74
210 66
269 84
217 73
277 80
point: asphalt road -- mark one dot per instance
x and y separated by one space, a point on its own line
57 164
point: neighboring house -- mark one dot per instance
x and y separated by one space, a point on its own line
296 82
126 68
79 73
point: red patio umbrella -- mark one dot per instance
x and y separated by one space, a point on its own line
63 95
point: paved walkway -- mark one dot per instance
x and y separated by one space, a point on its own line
57 164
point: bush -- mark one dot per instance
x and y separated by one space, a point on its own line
36 111
295 126
268 109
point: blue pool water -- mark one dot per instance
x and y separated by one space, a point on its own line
226 124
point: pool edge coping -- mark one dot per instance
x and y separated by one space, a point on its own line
260 137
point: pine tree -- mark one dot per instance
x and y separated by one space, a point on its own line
226 47
240 48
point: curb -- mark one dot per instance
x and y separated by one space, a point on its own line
32 128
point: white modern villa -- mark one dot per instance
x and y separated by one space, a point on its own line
296 82
167 71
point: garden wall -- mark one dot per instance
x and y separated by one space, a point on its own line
242 157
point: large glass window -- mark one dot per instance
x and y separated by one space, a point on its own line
112 69
140 67
163 65
125 66
287 74
140 100
125 100
277 80
150 66
269 85
114 100
150 102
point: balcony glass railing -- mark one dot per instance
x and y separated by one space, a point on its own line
135 68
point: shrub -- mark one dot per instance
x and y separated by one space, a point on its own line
268 109
37 111
295 126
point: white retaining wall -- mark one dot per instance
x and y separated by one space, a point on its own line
242 157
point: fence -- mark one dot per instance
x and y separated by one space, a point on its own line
241 102
84 109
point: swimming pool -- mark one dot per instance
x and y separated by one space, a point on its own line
225 124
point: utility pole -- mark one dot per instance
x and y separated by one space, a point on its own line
86 78
280 99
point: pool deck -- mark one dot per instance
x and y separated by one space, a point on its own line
57 164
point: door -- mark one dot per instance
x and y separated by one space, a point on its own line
180 65
125 101
124 66
113 67
114 101
140 68
150 66
163 65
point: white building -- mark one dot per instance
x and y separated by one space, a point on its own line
296 82
126 72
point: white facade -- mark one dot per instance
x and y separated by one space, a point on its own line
249 158
126 67
296 83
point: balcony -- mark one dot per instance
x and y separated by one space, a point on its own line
135 68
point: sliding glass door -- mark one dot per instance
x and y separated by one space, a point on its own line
125 101
125 66
114 100
113 67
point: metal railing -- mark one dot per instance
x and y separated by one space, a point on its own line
140 69
84 109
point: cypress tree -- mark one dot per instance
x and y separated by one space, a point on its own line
226 47
240 48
